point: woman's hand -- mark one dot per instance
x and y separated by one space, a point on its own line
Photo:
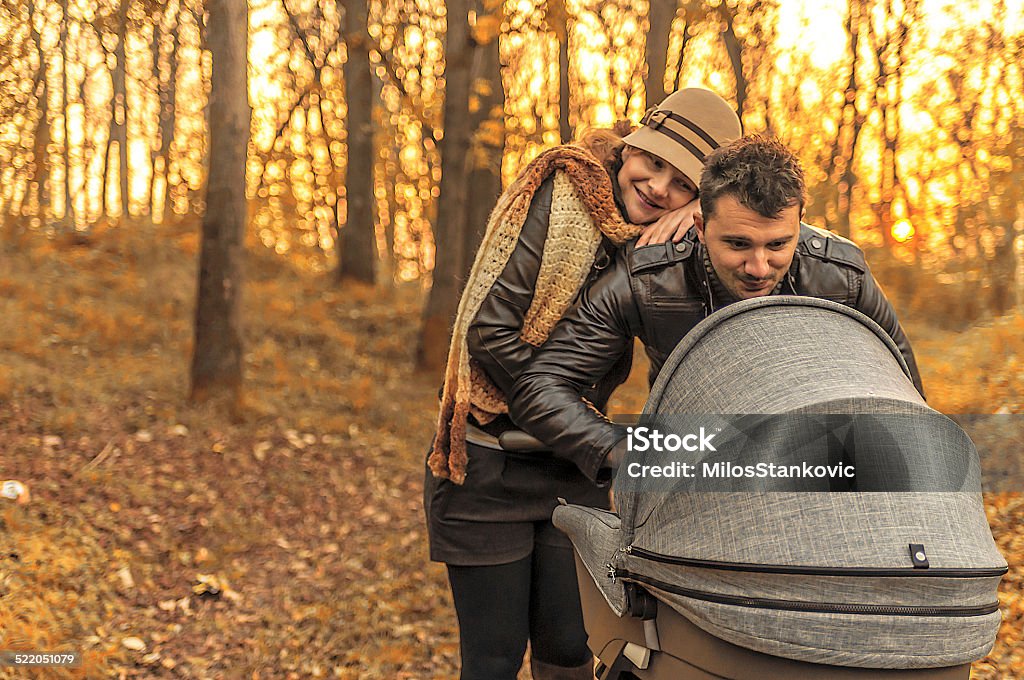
670 226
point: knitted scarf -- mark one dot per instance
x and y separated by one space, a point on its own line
582 210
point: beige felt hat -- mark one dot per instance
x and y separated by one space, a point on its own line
687 126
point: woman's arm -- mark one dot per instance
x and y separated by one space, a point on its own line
494 336
547 400
670 227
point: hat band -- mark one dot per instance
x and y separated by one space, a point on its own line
655 119
683 141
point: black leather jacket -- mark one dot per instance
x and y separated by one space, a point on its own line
658 293
494 338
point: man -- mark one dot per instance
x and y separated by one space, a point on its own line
749 243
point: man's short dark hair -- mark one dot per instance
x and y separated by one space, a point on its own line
761 173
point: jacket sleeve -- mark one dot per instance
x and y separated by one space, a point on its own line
547 398
872 302
494 338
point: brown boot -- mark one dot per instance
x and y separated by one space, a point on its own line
545 671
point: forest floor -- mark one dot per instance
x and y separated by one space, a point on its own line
284 540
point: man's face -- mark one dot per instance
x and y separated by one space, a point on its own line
749 252
651 187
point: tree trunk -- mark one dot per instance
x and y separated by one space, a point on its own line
154 153
88 149
217 357
887 97
564 96
735 50
487 120
849 178
119 116
882 100
659 28
558 20
105 169
68 221
894 102
105 164
449 243
1007 283
690 18
357 245
388 262
165 93
839 170
41 142
169 110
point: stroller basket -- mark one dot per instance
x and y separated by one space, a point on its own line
684 581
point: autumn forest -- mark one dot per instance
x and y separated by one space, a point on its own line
233 238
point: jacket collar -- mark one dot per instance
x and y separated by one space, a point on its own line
714 293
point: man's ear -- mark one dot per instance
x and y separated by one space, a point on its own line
698 221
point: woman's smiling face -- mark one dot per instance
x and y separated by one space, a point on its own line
651 187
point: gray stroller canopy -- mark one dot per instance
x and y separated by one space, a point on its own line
902 577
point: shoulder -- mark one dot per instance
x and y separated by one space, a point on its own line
612 295
534 230
535 182
822 246
659 255
545 190
540 202
829 266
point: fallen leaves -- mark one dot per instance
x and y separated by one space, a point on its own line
259 451
214 586
13 490
125 578
133 643
289 547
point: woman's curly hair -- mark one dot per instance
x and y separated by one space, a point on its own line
606 143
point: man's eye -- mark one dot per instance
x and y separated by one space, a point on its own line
780 245
738 245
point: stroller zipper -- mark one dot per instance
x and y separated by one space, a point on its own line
810 607
813 571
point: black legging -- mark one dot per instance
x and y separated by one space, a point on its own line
501 607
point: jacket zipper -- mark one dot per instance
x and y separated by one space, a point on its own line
813 571
809 607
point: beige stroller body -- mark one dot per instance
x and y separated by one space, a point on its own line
682 651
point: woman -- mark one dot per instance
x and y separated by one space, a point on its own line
488 509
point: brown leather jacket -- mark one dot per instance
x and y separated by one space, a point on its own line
494 339
658 293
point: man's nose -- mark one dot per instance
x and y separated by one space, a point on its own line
757 265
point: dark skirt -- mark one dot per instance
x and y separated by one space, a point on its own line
504 507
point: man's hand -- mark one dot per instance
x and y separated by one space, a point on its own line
671 225
611 463
615 457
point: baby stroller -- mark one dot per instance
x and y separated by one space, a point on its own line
893 575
